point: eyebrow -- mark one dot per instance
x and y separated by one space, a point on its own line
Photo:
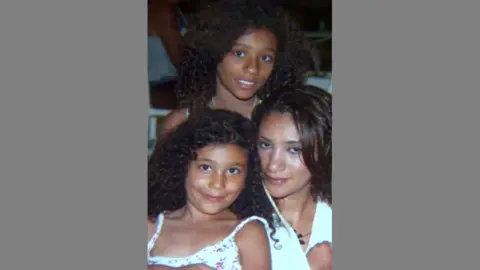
248 46
287 142
206 159
212 161
238 164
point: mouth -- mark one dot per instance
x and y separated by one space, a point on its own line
214 198
276 180
246 84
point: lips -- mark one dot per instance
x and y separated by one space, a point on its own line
214 198
276 180
246 84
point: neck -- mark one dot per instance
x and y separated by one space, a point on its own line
295 206
223 99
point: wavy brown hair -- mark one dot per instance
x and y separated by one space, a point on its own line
168 165
311 110
215 28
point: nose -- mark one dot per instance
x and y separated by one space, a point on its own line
217 181
276 162
251 66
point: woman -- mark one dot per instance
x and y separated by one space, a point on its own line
294 145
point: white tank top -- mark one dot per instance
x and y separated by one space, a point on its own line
222 255
288 253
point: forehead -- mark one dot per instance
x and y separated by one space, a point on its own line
279 127
258 38
223 153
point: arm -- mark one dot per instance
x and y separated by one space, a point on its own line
254 248
170 122
320 257
162 22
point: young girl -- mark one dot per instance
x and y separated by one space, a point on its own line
236 54
206 202
294 145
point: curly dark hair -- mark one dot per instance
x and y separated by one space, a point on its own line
311 110
168 165
213 31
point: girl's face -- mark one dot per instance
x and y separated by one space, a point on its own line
246 68
216 178
280 153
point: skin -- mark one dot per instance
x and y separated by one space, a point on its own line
219 171
280 151
251 58
320 257
287 179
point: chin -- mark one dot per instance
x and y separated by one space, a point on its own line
213 210
244 94
244 97
278 193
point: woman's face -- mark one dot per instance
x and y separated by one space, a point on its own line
216 178
246 68
280 152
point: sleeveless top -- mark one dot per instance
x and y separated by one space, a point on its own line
221 255
288 253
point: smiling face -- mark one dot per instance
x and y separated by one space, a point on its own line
246 68
216 178
280 153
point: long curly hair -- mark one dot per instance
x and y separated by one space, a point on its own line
311 110
214 29
168 165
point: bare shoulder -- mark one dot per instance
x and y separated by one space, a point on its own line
320 256
324 248
171 121
254 247
151 228
252 230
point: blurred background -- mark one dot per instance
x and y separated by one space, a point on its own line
167 24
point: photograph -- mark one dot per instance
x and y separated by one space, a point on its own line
240 134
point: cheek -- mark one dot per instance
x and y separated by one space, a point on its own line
264 157
195 180
301 172
296 166
228 65
266 70
236 184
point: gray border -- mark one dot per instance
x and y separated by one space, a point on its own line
402 144
74 120
75 91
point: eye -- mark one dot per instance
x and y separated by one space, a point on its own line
264 145
233 171
205 168
295 150
239 53
267 58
